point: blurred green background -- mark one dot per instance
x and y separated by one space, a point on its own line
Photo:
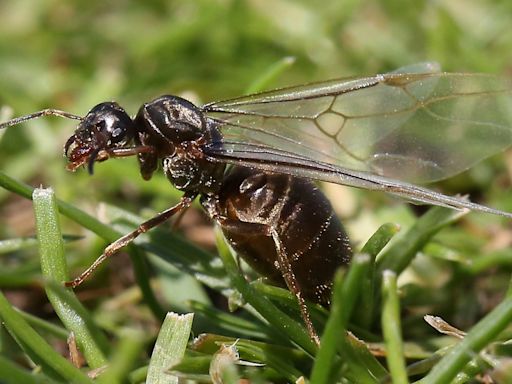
71 55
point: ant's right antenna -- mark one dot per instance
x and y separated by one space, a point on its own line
35 115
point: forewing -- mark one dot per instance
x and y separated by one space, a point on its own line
409 126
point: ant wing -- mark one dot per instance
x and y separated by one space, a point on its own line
412 125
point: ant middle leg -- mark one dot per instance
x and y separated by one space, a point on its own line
184 203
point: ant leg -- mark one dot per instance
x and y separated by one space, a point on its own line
177 221
184 203
292 284
283 262
242 228
125 152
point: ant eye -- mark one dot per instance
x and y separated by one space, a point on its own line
117 135
117 132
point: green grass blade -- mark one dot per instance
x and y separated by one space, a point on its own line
22 275
364 367
104 231
169 348
15 186
45 326
138 375
392 329
11 373
334 330
36 347
293 329
73 315
228 322
10 245
345 295
401 252
264 80
365 310
480 335
127 353
287 361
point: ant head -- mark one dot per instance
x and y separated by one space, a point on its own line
106 126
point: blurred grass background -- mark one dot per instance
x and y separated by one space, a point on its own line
72 55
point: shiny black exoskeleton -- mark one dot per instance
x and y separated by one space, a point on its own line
283 226
257 211
385 132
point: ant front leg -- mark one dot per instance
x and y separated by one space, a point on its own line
282 261
126 152
184 203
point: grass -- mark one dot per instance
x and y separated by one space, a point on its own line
413 261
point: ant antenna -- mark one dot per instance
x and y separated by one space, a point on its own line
35 115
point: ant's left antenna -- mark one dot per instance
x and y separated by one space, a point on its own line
35 115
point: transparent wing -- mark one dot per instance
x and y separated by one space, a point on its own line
415 124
